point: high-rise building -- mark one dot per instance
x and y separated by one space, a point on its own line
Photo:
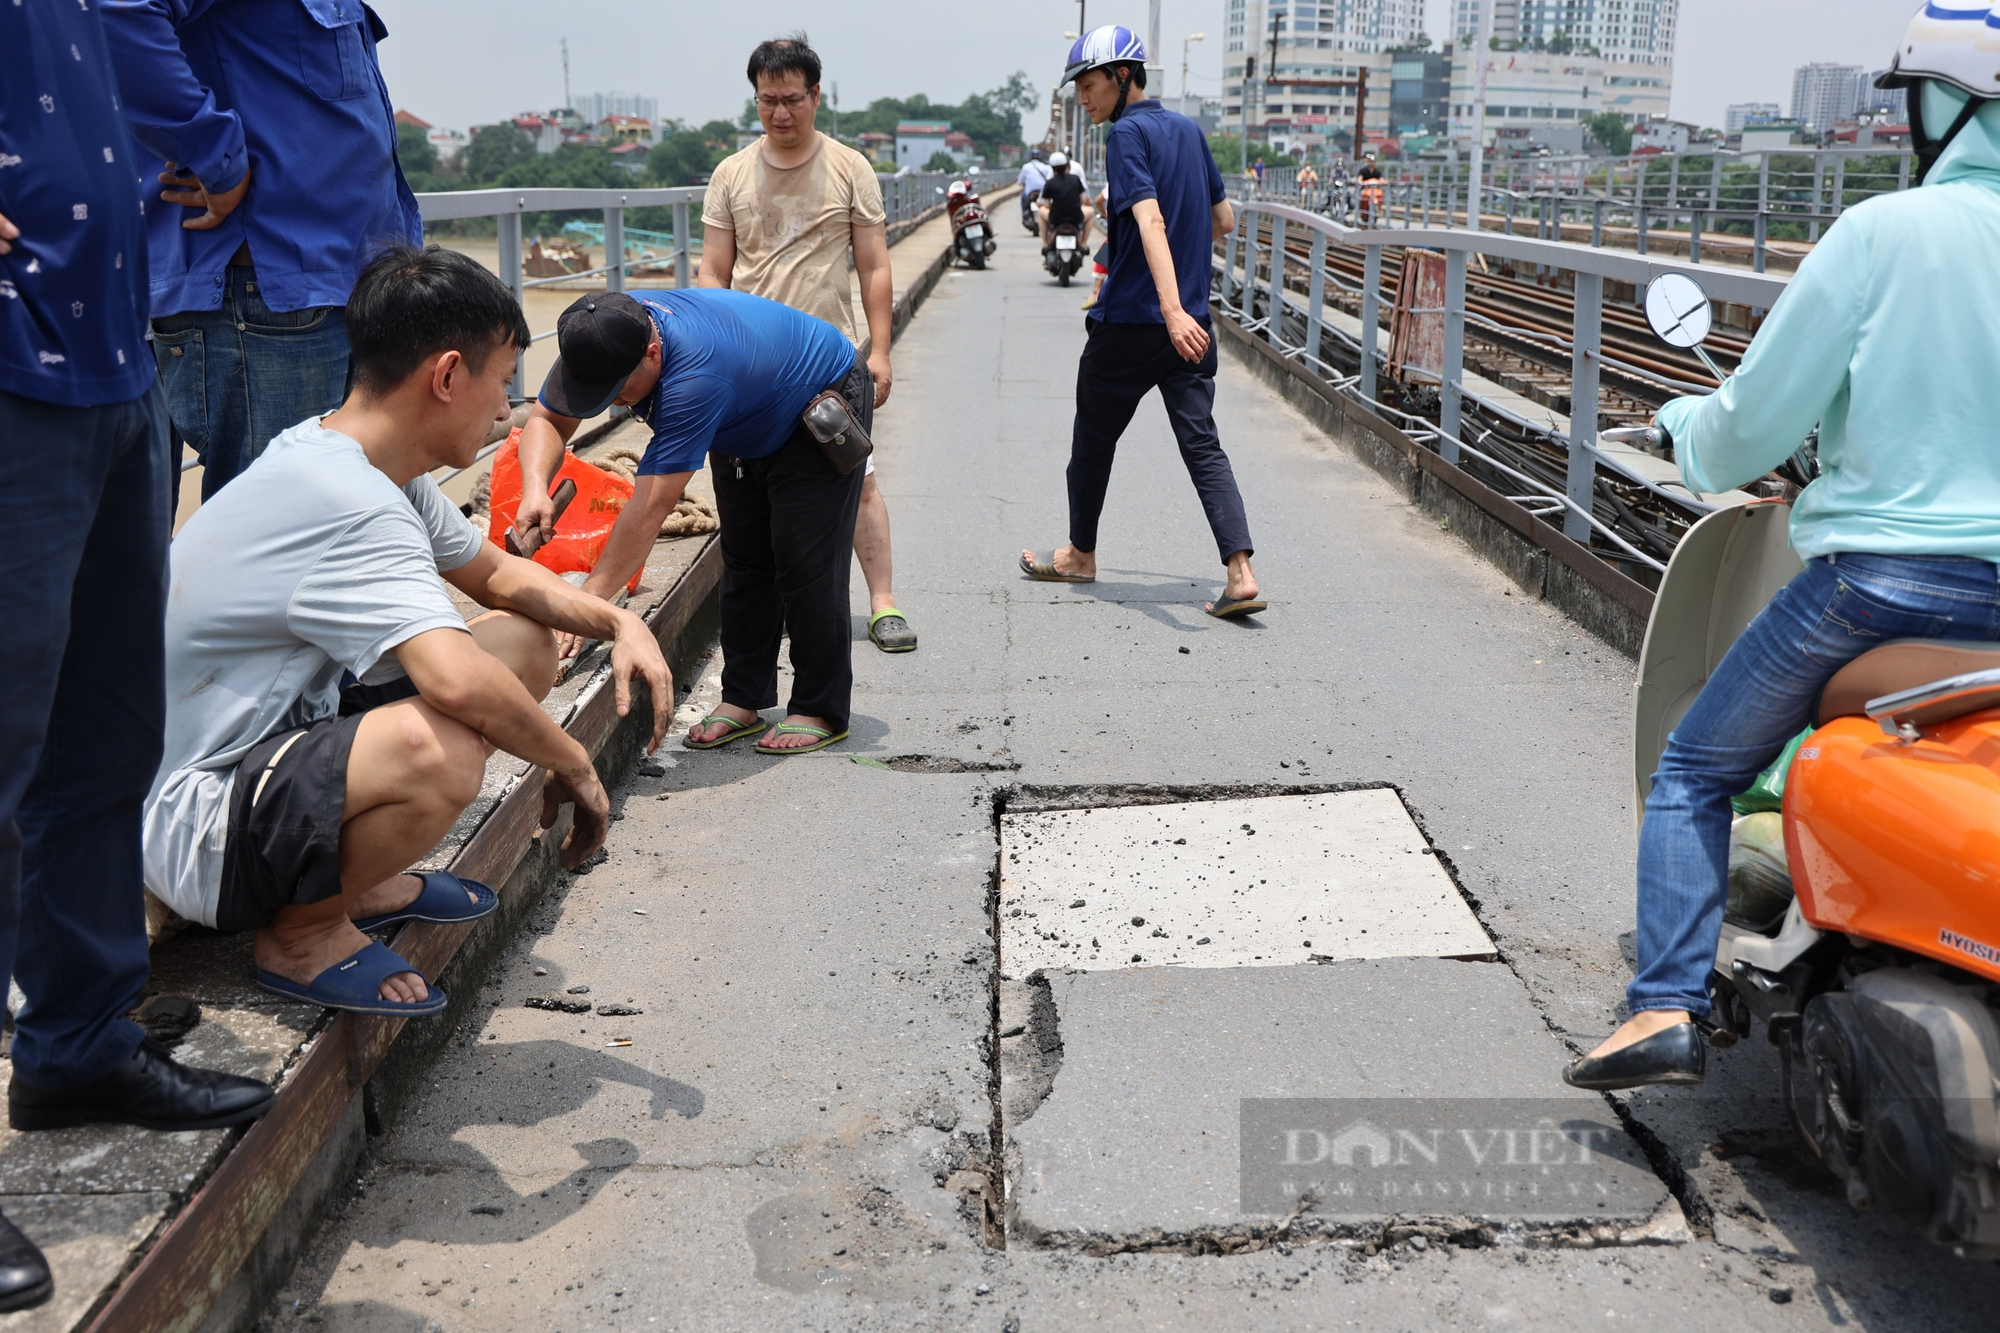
1289 66
1624 32
1823 95
1750 113
596 108
1891 102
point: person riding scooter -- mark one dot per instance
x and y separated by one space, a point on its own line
1064 201
1886 341
1034 175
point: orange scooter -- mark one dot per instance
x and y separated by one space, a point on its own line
1877 975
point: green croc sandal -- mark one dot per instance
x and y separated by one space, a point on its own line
890 631
826 738
737 731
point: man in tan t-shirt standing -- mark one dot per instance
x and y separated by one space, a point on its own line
781 220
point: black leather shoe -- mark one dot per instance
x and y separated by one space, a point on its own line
24 1273
1675 1055
151 1090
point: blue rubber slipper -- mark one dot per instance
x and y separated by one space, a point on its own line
356 986
441 900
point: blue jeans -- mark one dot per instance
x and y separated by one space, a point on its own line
83 595
1764 693
237 376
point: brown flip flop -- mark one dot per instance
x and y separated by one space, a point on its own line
1045 571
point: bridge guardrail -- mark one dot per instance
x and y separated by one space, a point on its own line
1252 272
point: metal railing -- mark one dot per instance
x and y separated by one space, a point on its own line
1742 200
1282 296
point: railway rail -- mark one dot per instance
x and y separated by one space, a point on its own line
1519 318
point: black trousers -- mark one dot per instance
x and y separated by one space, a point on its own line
1121 363
787 542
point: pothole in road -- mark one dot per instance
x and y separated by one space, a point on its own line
1261 881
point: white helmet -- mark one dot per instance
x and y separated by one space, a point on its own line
1957 47
1058 159
1960 46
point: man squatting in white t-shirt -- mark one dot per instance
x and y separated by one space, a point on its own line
329 712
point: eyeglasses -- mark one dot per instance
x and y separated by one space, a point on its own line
790 101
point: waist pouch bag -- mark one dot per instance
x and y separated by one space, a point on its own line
833 428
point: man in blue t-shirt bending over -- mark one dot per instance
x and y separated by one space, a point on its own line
1149 328
724 373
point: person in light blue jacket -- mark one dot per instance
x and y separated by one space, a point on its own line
1888 340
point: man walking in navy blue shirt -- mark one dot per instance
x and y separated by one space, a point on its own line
270 129
84 481
1166 210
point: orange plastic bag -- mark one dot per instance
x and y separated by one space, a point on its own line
584 527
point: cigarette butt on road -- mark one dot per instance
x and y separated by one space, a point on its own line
618 1041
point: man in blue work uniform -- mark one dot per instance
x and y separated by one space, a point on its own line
1167 209
270 128
727 373
84 482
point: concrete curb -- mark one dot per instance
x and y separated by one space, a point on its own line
1537 557
219 1260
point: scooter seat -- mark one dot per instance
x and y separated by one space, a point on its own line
1905 664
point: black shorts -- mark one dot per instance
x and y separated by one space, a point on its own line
285 812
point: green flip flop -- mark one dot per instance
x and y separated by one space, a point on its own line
737 731
1225 609
826 738
890 631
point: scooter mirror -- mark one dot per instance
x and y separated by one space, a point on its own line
1678 310
939 189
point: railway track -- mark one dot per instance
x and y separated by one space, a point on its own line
1517 335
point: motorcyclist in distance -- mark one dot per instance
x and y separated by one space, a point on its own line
1034 175
1064 200
1885 339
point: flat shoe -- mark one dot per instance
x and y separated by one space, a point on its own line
826 738
150 1089
1674 1056
355 985
1225 609
891 632
24 1272
1045 571
737 731
442 900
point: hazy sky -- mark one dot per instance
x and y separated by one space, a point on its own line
467 62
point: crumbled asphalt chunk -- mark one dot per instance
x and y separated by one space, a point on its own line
579 990
617 1011
1202 940
168 1018
1781 1295
1138 920
1180 842
487 1209
1077 903
1184 648
1137 959
649 769
1015 1031
1420 1243
591 862
557 1004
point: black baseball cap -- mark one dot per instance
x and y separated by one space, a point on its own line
601 340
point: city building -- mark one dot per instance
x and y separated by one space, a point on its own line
876 147
1771 136
1662 136
1623 32
1750 113
596 108
1890 103
545 130
1203 111
1420 93
1824 94
1544 98
626 130
917 141
1290 68
446 142
631 155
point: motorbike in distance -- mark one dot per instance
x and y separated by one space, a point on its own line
1065 257
971 230
1030 223
1861 931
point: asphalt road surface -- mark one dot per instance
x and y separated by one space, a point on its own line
806 1127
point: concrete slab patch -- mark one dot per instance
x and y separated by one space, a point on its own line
1263 881
1141 1134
